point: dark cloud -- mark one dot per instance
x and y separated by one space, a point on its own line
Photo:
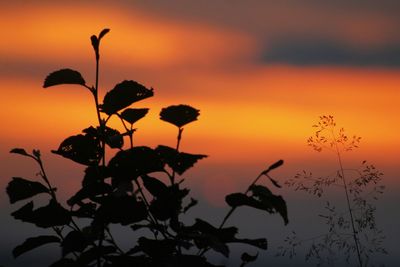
323 52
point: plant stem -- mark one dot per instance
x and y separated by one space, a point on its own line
178 142
152 218
44 176
234 208
347 199
178 139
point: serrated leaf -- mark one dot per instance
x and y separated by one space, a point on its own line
20 188
34 242
51 215
179 115
25 213
130 164
132 115
178 161
63 76
123 95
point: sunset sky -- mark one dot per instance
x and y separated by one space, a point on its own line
261 73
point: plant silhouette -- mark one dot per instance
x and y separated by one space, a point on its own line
352 231
128 190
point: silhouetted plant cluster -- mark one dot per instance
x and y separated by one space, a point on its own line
352 231
130 189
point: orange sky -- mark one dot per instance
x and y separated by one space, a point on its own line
251 113
261 73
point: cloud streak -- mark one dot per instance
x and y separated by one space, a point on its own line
330 52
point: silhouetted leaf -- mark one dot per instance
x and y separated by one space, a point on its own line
130 164
178 161
89 191
74 241
268 199
20 151
102 33
123 95
132 115
95 43
124 210
262 199
95 174
83 149
273 166
34 242
25 213
113 138
51 215
63 76
154 186
206 235
179 115
86 210
20 188
246 258
110 136
168 204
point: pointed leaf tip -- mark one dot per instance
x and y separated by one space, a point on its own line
132 115
20 151
63 76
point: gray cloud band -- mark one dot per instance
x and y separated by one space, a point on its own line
316 52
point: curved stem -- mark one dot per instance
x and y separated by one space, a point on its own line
230 212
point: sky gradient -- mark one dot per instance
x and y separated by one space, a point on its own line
261 73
